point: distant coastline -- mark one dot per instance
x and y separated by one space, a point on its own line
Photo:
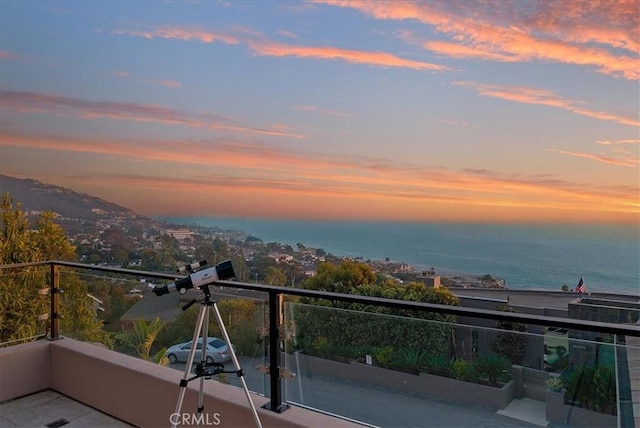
542 257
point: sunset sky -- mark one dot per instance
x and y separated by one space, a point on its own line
420 111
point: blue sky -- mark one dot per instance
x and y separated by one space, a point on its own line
462 111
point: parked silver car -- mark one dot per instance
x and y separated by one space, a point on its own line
217 351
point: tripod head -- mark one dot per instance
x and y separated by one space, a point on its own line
221 271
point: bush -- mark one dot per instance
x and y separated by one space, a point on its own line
493 368
463 370
554 383
439 365
414 359
347 328
320 346
384 356
593 388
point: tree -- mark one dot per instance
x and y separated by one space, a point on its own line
275 276
220 251
20 302
142 337
341 278
243 319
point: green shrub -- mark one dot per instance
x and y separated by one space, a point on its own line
593 388
439 365
554 383
414 359
604 385
320 346
384 356
463 370
493 368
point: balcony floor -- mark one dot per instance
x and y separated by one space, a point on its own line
48 407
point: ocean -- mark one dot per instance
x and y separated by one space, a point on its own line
544 257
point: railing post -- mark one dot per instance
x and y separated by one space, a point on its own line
275 386
54 313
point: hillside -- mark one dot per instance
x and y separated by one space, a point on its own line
76 211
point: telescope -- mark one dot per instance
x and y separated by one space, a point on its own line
192 267
221 271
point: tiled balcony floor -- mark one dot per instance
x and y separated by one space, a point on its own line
48 407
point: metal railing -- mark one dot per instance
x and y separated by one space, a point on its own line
275 306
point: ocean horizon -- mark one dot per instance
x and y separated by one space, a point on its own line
526 256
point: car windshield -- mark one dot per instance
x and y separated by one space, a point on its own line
217 343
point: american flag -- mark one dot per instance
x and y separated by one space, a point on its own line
581 288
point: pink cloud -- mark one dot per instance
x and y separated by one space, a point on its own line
67 106
322 111
9 55
512 31
461 51
618 142
288 34
528 95
177 33
263 47
600 158
168 83
272 170
380 59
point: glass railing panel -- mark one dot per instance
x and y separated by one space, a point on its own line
24 304
242 316
121 311
369 366
591 380
399 371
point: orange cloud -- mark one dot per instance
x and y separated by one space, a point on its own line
600 158
288 34
263 47
381 59
258 170
9 55
528 95
66 106
185 34
461 51
618 142
168 83
612 23
322 111
511 31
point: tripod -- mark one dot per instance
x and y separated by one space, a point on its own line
206 369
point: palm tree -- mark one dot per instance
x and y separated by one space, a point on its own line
141 339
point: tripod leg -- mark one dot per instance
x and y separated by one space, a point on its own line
236 364
205 336
184 381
